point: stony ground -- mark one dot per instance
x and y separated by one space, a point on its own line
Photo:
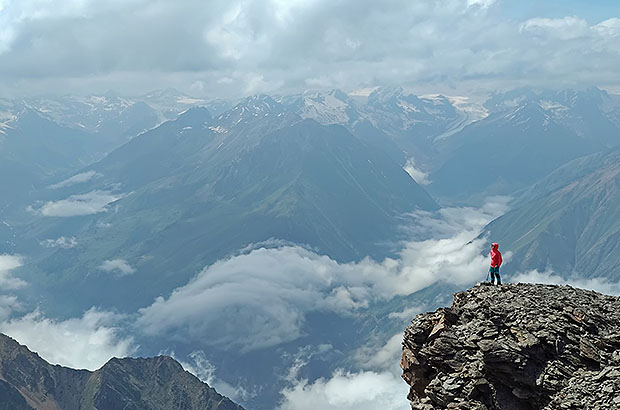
517 346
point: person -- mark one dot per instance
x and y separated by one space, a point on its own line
496 262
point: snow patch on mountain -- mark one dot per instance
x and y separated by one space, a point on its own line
325 108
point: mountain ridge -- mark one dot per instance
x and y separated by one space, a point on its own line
27 382
568 221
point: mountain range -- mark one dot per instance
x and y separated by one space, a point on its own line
27 382
121 202
197 189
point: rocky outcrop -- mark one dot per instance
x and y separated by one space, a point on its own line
27 382
517 346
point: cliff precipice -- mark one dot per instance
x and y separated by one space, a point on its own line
517 346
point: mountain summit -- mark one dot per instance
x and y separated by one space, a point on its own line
519 347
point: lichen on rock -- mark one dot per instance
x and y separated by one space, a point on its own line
517 346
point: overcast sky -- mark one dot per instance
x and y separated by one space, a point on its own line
238 47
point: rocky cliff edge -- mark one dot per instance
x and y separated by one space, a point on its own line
518 346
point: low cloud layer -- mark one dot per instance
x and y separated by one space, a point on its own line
76 179
85 342
91 203
417 174
601 285
377 385
7 280
120 267
64 242
8 304
261 298
348 391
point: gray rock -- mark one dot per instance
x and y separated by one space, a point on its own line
517 346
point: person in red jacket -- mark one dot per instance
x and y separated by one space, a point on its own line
496 262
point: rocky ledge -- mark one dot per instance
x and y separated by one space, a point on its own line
517 346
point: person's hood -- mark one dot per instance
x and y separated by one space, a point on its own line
494 246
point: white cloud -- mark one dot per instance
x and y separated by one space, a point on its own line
199 365
450 221
91 203
485 4
261 298
120 266
609 28
383 357
276 45
566 28
407 313
103 225
63 242
343 391
377 386
418 175
8 304
86 342
7 264
601 285
76 179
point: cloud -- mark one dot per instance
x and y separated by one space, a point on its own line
8 304
377 386
407 313
566 28
449 221
85 342
275 45
384 357
418 175
91 203
261 298
62 242
76 179
366 390
609 28
120 266
601 285
199 365
7 264
485 4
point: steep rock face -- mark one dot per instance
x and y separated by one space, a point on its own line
27 382
518 346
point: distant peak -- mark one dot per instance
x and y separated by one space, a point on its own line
339 94
195 116
258 103
110 94
385 93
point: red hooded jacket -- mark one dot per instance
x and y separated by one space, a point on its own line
496 256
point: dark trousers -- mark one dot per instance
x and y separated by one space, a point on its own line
495 273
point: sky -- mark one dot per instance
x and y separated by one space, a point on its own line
232 48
